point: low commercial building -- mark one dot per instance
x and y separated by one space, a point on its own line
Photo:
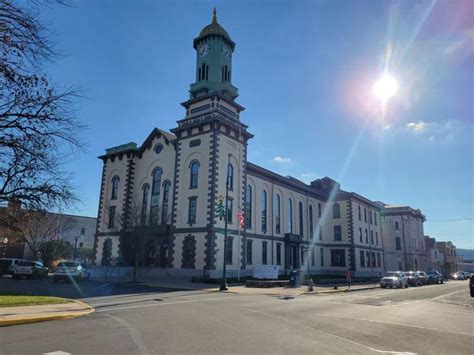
451 261
435 258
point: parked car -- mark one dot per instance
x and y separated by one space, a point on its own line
394 279
458 276
435 277
71 270
7 265
414 278
471 285
467 275
424 277
30 270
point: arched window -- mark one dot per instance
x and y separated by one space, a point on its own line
145 189
290 216
194 167
155 196
277 214
311 234
264 211
300 211
115 186
248 207
230 176
166 198
336 210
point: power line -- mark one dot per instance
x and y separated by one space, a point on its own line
450 220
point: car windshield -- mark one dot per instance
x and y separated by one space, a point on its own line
393 274
26 263
410 274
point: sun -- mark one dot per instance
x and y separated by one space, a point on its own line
386 87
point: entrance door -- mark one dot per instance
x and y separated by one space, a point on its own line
293 256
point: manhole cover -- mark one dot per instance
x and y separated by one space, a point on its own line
286 297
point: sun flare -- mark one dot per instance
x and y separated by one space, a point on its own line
386 87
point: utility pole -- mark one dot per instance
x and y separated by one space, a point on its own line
226 219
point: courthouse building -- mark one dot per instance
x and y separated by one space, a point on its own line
160 197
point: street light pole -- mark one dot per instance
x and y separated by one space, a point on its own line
75 247
5 244
226 219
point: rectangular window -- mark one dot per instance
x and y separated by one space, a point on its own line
360 235
372 237
370 216
228 250
192 210
362 259
365 214
373 259
337 233
396 225
367 255
319 210
360 216
249 252
264 253
229 210
278 253
313 257
376 238
375 218
83 231
303 259
277 214
338 257
264 211
321 256
367 236
320 233
379 260
112 217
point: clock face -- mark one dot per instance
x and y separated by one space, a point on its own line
203 50
226 51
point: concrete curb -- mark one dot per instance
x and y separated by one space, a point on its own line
37 319
339 291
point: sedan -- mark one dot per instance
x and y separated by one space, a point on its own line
414 278
394 279
435 277
71 270
30 270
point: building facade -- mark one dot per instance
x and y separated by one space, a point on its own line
434 256
451 260
159 200
403 238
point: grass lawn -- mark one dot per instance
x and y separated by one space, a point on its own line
14 301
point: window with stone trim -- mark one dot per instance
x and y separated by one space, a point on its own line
336 210
155 195
278 253
337 233
189 252
360 235
321 256
278 214
372 237
115 186
311 231
229 209
376 238
264 253
375 218
367 236
194 176
320 232
396 225
249 251
379 260
264 211
300 212
248 207
360 214
229 250
362 258
166 198
111 223
146 189
365 214
319 210
289 212
338 257
398 243
230 176
192 210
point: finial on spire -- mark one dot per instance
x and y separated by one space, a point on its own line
214 16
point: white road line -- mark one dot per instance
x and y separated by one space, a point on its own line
107 284
446 294
394 323
165 304
327 333
136 337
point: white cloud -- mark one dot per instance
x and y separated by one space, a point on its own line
418 126
279 159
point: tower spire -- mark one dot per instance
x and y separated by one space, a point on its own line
214 16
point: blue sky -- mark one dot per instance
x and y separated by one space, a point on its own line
305 71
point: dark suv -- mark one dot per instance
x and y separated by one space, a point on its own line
435 277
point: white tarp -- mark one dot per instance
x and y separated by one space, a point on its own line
266 272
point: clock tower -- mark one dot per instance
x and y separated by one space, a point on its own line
214 50
211 152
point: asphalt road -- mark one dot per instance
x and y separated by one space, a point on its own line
437 319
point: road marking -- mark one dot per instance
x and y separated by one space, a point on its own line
447 294
107 284
327 333
166 303
136 337
393 323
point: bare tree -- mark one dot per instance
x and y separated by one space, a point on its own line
38 128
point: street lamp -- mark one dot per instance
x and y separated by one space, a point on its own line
226 219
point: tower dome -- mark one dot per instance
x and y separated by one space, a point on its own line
213 29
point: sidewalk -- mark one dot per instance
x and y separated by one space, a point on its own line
34 314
